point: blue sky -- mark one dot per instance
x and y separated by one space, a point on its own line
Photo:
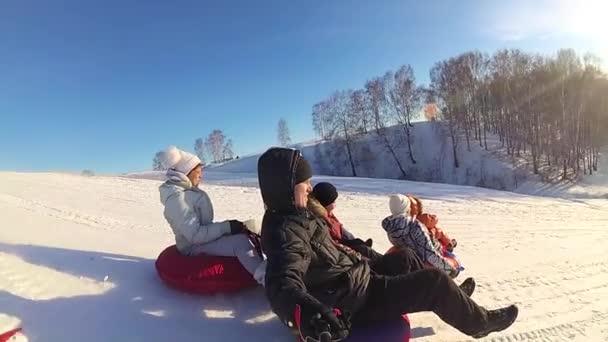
104 84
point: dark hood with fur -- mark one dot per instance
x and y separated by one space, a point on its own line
316 208
276 176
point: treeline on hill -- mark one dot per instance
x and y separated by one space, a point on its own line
552 110
216 148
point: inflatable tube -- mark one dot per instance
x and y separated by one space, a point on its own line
4 337
395 330
202 274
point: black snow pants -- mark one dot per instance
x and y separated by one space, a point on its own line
402 261
400 285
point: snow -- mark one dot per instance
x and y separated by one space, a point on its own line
588 186
77 259
432 150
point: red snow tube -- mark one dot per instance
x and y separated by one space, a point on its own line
202 274
9 334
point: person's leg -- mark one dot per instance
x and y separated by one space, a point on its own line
401 261
424 290
237 245
404 261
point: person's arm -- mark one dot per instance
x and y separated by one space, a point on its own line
418 233
185 221
430 221
288 258
346 235
443 238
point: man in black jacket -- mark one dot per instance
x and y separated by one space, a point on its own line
318 287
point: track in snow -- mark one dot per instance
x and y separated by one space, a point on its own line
84 247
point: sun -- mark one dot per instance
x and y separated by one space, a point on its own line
587 19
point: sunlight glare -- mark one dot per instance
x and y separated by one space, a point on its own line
587 18
219 313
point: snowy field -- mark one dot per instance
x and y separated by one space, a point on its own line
77 254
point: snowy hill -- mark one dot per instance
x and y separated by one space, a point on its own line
432 150
595 186
77 254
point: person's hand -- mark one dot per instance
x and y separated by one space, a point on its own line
237 227
452 245
320 323
453 274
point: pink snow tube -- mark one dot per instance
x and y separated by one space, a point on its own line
202 274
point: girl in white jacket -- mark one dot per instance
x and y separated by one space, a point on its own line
189 212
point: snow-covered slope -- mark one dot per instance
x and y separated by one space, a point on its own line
77 254
588 186
432 150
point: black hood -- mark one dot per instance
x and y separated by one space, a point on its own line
276 176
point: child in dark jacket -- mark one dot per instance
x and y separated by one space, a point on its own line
322 203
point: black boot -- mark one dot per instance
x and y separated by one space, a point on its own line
468 286
499 320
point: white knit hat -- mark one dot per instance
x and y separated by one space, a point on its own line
399 204
181 161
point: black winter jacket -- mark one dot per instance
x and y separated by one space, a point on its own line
305 266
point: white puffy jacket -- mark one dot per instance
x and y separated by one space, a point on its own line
189 212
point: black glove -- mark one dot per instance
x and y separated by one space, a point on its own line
320 323
361 247
237 227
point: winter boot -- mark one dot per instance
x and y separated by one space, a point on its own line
499 320
468 286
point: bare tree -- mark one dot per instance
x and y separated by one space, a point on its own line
159 163
405 99
227 152
443 82
339 123
550 109
320 120
360 111
200 149
342 119
215 143
283 133
378 107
